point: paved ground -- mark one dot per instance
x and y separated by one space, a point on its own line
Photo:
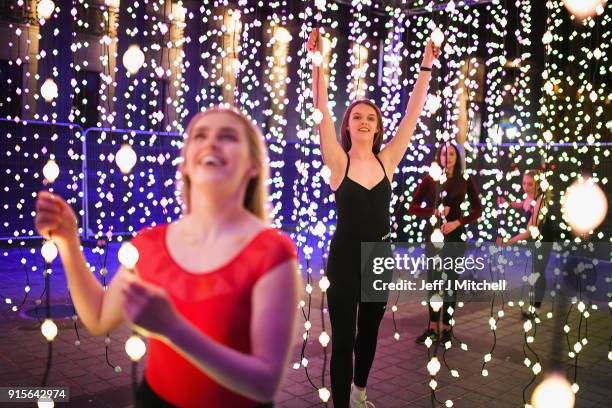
398 378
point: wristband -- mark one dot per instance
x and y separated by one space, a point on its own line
425 69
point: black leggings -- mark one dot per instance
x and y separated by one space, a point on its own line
345 308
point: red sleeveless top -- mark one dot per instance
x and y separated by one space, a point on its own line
217 302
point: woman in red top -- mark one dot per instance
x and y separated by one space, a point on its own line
215 290
426 202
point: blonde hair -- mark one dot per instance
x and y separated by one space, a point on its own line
256 196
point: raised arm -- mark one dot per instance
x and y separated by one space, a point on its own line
99 309
333 154
392 153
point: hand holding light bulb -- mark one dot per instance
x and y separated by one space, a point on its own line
55 217
148 307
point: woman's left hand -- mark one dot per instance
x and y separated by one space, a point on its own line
449 227
148 307
432 53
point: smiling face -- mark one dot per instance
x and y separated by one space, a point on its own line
217 150
448 156
529 184
363 123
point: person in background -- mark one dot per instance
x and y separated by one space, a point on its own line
425 203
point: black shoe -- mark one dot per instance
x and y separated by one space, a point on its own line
431 333
445 336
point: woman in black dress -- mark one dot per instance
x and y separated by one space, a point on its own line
361 175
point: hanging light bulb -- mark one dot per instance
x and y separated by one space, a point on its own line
282 35
135 347
45 402
436 302
585 206
133 59
583 8
51 171
48 329
317 116
45 9
324 339
554 391
324 394
49 90
437 37
435 171
49 251
433 366
128 255
437 236
126 158
324 284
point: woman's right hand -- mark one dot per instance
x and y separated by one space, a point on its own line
313 41
54 217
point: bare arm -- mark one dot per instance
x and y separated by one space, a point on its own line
333 154
257 375
392 153
99 310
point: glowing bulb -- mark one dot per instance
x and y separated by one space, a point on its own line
536 368
554 391
437 37
484 372
548 136
49 251
45 9
317 58
433 384
128 255
527 326
585 206
324 339
135 347
51 171
317 116
583 8
428 342
45 402
324 394
126 158
448 403
324 284
48 329
435 171
320 4
396 336
48 90
547 38
436 302
433 366
437 236
281 34
133 59
575 388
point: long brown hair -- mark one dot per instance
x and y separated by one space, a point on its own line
256 196
345 135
